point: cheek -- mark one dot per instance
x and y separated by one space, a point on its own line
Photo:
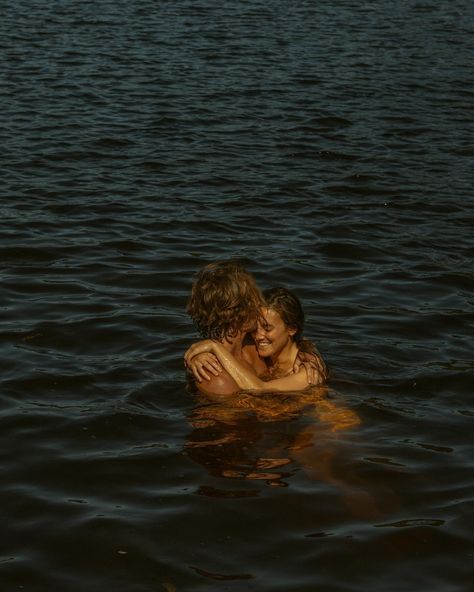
284 335
278 336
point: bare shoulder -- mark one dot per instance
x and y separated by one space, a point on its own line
223 384
251 357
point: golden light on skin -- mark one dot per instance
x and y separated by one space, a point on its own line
273 338
275 348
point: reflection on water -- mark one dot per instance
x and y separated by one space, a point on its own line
270 437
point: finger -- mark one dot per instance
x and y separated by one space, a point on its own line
204 374
210 368
217 367
196 373
201 372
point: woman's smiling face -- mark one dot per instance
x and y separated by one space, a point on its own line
271 335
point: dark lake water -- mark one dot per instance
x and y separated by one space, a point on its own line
329 146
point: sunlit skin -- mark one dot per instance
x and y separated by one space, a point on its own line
274 344
274 341
207 366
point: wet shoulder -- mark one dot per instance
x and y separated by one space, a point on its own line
250 355
223 384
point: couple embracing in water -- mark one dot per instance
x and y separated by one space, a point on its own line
252 340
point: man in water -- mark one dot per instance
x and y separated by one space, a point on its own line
224 304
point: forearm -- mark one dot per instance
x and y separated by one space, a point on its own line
244 377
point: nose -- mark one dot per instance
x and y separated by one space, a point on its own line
259 332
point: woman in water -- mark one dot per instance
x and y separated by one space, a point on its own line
278 341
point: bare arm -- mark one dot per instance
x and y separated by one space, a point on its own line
209 376
245 378
203 366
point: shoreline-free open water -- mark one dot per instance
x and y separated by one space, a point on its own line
327 145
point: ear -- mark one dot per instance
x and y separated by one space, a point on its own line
291 331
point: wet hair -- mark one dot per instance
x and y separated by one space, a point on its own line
288 306
224 299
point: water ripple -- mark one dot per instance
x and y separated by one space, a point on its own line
329 147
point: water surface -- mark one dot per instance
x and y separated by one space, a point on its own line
328 145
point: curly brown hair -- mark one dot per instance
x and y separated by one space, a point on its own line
224 300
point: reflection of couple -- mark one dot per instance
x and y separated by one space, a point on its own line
253 341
